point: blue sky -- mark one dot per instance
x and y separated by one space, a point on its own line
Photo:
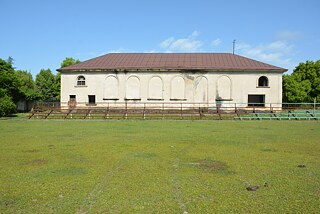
41 33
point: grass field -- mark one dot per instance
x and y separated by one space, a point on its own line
159 166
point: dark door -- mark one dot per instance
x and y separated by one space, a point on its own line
72 101
92 99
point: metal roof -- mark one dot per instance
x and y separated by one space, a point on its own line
172 61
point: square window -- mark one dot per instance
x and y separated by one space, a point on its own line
256 100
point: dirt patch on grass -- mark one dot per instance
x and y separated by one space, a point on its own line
208 165
37 162
212 165
8 202
51 146
268 150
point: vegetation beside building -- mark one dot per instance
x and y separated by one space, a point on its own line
18 88
303 85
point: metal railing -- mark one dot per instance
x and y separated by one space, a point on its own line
225 107
164 109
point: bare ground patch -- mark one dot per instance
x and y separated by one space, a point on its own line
37 162
208 165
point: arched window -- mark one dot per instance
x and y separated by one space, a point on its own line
133 88
155 88
81 80
177 88
111 88
201 89
224 88
263 81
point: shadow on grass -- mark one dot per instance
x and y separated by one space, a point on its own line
212 166
9 117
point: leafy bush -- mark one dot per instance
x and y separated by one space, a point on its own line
7 106
303 85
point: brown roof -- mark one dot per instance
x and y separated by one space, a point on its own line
172 61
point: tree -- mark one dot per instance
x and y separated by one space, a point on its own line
27 86
8 81
303 85
69 61
296 90
45 84
8 88
66 62
7 106
57 85
10 60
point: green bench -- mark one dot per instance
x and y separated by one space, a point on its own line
296 115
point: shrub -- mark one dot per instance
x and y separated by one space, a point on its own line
7 106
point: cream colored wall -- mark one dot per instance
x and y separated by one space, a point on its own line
197 87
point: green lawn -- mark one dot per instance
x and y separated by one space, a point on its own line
159 166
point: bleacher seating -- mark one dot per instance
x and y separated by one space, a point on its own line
305 114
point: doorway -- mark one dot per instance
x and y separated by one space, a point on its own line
92 99
72 101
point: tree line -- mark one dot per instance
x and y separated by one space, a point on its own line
302 85
19 85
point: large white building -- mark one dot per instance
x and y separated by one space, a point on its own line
170 78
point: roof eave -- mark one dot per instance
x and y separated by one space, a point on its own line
171 70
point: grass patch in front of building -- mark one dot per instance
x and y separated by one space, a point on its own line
82 166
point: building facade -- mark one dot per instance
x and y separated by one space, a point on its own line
170 78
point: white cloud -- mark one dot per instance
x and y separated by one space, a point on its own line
166 43
281 46
278 53
240 46
185 45
288 35
194 34
189 44
216 42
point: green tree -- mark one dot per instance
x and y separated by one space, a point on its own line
9 83
8 88
45 84
10 60
27 86
57 85
296 90
66 62
69 61
303 85
7 106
